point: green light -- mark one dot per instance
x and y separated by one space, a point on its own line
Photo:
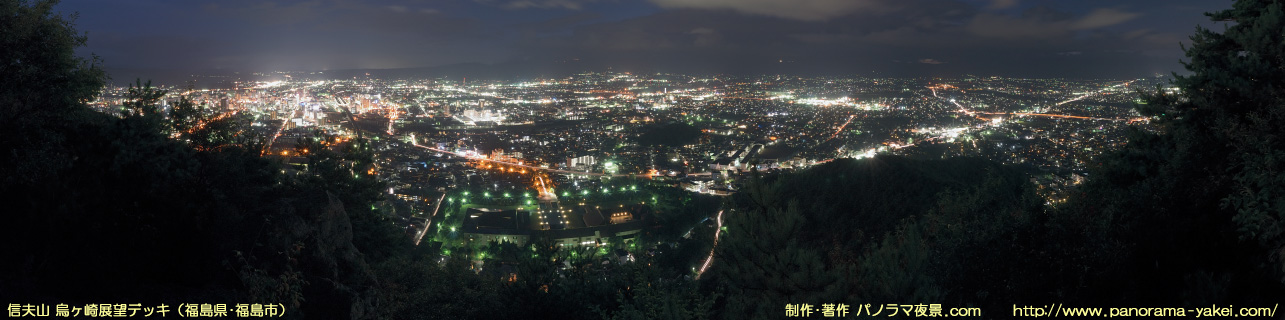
452 228
486 194
528 202
466 193
633 187
564 193
506 194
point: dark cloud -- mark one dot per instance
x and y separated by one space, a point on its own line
966 35
556 24
1001 4
811 10
272 13
538 4
1043 24
421 22
313 35
1102 17
1032 37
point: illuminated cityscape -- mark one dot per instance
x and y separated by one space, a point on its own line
548 144
642 159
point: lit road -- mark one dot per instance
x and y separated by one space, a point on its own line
545 191
978 115
217 118
1090 94
528 166
268 147
836 132
429 222
972 113
966 111
1050 115
392 118
708 260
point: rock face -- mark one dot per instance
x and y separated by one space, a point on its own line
345 269
320 273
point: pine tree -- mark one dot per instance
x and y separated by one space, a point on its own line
1237 91
763 263
1207 182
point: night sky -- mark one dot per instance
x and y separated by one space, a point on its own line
1026 38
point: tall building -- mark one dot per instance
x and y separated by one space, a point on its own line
586 161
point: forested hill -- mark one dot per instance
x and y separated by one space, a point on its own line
881 228
973 233
854 201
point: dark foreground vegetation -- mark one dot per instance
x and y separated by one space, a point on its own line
179 207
